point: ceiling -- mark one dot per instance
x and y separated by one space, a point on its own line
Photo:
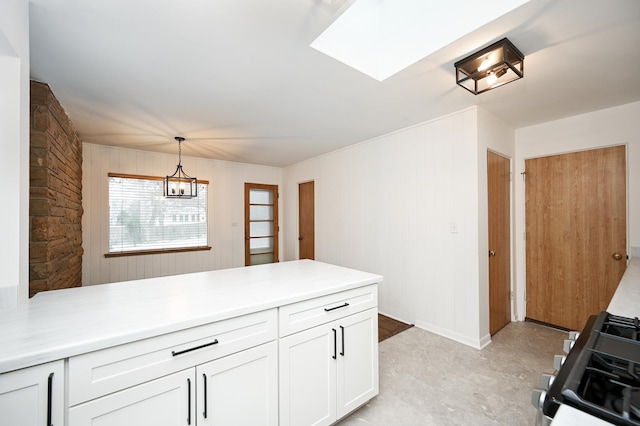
238 79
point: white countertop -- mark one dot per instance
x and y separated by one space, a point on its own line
62 323
626 303
626 299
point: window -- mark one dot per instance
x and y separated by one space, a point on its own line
142 220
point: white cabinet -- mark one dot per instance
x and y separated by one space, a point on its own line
330 369
240 389
357 361
33 396
308 377
167 401
220 373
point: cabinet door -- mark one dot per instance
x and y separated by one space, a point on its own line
240 389
33 396
357 360
167 401
308 377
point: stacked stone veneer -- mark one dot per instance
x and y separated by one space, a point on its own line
55 195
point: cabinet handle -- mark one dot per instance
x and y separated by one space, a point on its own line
204 379
342 332
49 392
176 353
188 401
335 344
336 307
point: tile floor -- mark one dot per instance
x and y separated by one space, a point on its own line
426 379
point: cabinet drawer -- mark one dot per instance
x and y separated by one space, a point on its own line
105 371
309 313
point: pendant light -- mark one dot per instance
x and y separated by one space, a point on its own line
179 184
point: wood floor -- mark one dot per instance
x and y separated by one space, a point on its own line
388 327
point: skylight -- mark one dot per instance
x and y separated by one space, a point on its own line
382 37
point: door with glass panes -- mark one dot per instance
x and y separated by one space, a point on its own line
260 223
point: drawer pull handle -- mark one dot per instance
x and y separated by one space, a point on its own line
188 401
336 307
176 353
342 331
204 379
335 344
49 392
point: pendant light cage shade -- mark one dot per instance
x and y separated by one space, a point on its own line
180 184
491 67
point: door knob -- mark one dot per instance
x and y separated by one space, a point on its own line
299 238
492 253
616 256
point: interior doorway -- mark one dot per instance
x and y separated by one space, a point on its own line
499 204
306 220
576 236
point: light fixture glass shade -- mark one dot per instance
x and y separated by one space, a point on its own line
491 67
179 184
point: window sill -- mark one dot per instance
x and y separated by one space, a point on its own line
158 251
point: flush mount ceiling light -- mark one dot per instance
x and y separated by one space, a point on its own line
491 67
179 184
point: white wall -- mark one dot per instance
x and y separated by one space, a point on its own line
14 161
226 213
387 206
613 126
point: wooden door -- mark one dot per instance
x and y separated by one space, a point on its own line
306 220
575 234
260 223
499 183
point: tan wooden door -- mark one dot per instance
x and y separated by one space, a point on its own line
260 223
306 220
498 180
575 234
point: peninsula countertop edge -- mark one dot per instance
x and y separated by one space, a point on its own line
59 324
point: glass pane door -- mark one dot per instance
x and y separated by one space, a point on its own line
261 224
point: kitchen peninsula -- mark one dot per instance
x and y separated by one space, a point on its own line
196 348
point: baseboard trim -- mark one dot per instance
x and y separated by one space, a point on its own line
460 338
395 318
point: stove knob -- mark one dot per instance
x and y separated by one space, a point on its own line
537 398
573 335
568 344
546 381
558 360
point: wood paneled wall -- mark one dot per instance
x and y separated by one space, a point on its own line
226 213
406 205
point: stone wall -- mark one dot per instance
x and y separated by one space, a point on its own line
55 195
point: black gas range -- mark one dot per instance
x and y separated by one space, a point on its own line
600 374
